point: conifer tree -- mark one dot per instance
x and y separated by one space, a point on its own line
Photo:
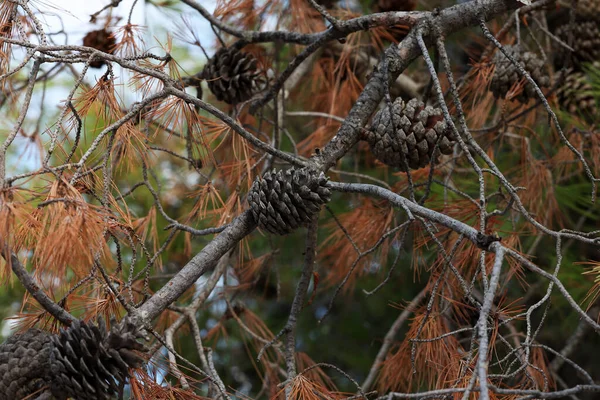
339 200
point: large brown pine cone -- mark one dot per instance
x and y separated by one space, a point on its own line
506 74
576 95
586 42
83 361
282 201
101 40
232 75
24 364
413 135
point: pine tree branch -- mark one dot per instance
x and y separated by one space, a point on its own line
526 394
34 289
310 254
204 261
340 30
574 340
398 58
485 242
388 340
488 302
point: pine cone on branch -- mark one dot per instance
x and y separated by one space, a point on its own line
101 40
83 361
232 75
282 201
412 134
506 74
576 95
586 42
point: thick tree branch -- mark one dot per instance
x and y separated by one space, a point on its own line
398 58
205 260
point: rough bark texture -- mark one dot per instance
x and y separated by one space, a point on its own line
204 261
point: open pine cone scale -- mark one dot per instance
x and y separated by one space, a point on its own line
232 75
411 132
82 362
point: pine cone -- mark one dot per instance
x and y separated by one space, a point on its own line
394 5
506 74
586 42
83 362
88 363
24 364
101 40
576 97
232 75
415 131
283 201
584 7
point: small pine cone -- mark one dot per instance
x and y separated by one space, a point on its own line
586 42
24 364
282 201
101 40
89 363
232 75
506 74
415 131
394 5
576 95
